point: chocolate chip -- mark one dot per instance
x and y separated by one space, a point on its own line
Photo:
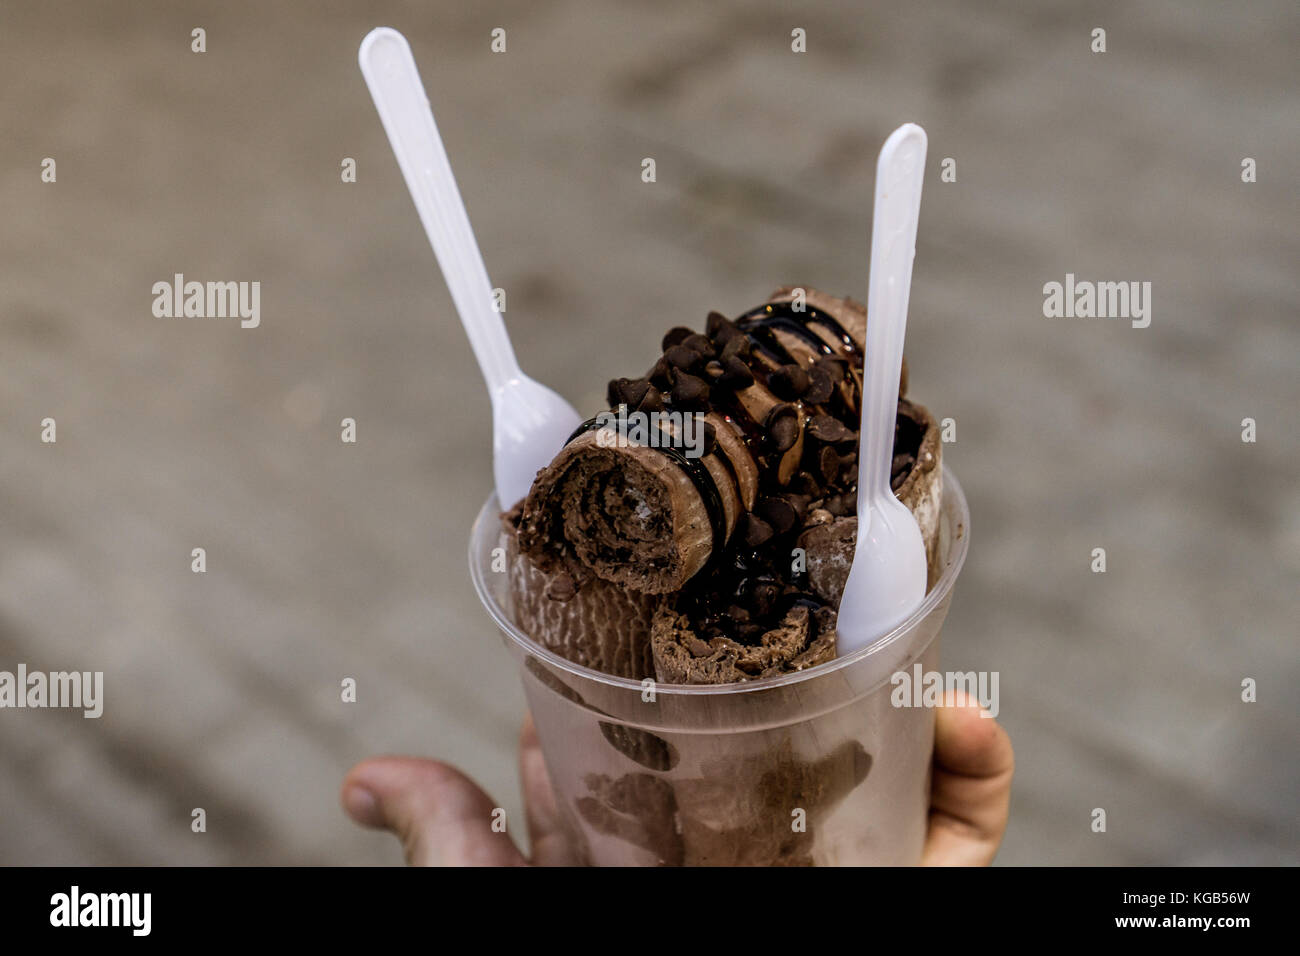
689 391
636 392
835 368
783 427
755 531
713 369
784 434
839 506
789 382
682 357
777 512
659 374
676 335
701 344
736 347
827 428
738 614
736 374
653 400
721 329
821 389
617 392
805 484
829 463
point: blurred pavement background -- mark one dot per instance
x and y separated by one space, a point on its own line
328 560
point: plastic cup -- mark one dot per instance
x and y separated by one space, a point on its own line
817 767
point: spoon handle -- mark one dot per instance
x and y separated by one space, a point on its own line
394 82
899 174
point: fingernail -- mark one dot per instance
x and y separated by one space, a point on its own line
362 806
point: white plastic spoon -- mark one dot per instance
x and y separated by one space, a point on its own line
887 580
529 421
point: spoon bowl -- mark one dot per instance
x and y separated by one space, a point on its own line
530 424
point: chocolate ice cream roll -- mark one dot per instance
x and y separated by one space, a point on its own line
670 525
642 503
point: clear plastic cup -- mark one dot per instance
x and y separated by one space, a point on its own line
816 767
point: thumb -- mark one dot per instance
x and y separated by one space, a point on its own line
441 816
970 790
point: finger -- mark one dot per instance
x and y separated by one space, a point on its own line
971 790
550 843
441 816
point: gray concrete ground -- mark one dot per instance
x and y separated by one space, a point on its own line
325 560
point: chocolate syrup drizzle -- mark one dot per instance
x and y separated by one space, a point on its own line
759 324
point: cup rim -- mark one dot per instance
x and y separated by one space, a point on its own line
490 512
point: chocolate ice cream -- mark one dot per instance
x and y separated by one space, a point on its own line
641 561
633 556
